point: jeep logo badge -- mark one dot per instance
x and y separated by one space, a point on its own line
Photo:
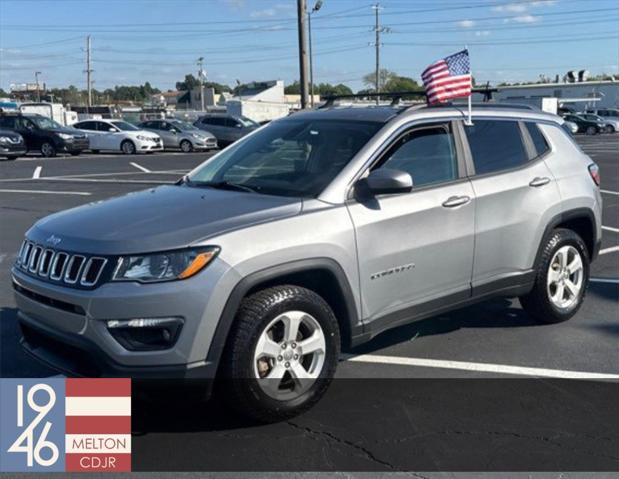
53 240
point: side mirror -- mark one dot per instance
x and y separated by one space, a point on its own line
111 129
387 181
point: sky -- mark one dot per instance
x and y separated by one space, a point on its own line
159 41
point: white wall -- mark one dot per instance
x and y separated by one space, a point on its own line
258 110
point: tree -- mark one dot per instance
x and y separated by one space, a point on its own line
384 76
322 89
397 83
189 83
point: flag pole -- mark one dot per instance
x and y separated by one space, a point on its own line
469 121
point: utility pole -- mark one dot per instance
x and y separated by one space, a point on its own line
201 78
36 78
88 75
311 57
377 45
303 66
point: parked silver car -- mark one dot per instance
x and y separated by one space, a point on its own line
226 128
319 231
177 134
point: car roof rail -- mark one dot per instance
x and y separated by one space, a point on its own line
395 97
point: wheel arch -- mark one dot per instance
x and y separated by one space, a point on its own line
324 276
581 221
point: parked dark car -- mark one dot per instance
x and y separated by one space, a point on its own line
12 145
585 126
226 128
43 134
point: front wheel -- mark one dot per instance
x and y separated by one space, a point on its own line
127 147
561 279
186 146
282 353
48 150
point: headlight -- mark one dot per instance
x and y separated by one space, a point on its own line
167 266
145 138
4 139
197 137
65 136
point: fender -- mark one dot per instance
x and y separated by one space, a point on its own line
351 327
566 216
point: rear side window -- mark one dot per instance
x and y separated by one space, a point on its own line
496 145
540 143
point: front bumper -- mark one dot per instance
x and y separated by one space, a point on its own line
145 146
75 146
207 144
66 328
12 150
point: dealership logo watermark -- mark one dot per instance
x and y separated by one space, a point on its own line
53 239
72 425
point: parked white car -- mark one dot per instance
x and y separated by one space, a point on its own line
118 135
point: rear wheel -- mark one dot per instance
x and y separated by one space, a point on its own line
186 146
127 147
282 353
561 280
48 150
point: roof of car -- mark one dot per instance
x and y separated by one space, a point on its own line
383 114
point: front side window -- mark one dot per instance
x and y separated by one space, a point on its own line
297 158
427 154
124 126
87 125
496 145
45 123
540 143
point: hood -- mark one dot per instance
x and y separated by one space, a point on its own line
147 133
69 131
162 218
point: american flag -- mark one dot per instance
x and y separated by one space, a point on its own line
448 78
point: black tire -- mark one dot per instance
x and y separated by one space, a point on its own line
186 146
48 150
128 147
538 303
591 130
256 312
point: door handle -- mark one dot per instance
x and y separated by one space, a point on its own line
454 201
539 181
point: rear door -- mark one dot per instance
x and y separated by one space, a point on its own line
417 247
516 197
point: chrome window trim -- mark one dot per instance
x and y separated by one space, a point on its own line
67 270
86 270
55 262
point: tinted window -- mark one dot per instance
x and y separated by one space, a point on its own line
541 146
296 158
428 155
215 120
86 125
101 126
232 123
7 121
496 145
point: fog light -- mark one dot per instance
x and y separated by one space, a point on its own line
144 334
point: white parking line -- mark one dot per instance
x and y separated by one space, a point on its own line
608 192
604 280
612 249
140 167
609 228
46 192
37 172
478 367
96 180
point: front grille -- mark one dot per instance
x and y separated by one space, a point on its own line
59 266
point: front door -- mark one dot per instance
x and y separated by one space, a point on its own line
418 246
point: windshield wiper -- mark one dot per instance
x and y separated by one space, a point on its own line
221 185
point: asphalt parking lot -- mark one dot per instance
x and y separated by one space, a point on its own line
491 340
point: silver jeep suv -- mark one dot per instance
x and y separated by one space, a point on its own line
314 233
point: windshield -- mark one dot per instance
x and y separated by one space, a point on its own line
296 158
45 123
183 125
123 125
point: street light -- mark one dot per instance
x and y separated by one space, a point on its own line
311 66
36 77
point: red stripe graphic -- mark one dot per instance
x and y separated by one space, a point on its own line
98 424
98 462
98 387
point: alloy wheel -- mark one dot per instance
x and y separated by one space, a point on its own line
565 277
289 355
